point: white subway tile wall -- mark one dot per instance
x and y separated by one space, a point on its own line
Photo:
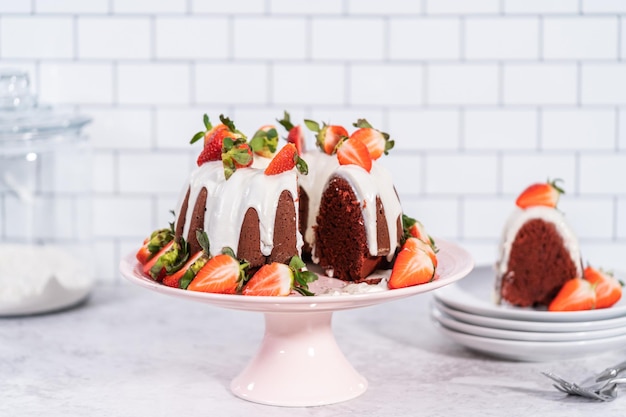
482 97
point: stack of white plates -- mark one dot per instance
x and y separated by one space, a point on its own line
466 312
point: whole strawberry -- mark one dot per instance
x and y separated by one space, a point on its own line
295 134
214 137
235 154
328 136
265 141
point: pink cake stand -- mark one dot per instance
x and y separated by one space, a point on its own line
299 363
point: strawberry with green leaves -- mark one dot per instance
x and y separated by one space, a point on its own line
153 244
222 274
286 159
608 289
377 142
541 194
414 228
236 153
169 260
354 152
295 134
214 137
278 279
328 136
182 277
576 294
265 141
411 267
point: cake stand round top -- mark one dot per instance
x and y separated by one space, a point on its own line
454 263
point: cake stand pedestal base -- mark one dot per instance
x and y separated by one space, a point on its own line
298 364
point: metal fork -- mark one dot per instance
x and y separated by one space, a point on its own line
605 390
612 372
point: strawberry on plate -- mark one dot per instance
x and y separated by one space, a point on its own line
412 267
576 294
278 279
328 136
222 274
608 289
295 133
153 244
184 275
155 267
354 152
414 228
415 244
264 141
285 160
377 142
540 194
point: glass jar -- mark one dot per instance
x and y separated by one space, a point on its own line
46 248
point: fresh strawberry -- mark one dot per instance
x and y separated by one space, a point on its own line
222 274
541 194
155 269
286 159
235 154
416 244
576 294
295 134
272 279
265 141
354 152
214 137
154 243
414 228
184 275
608 288
278 279
377 142
328 136
411 268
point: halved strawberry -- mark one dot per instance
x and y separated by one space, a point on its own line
222 274
278 279
328 136
235 154
541 194
272 279
153 268
184 275
286 159
576 294
411 268
154 243
414 228
265 141
608 288
354 152
415 244
295 134
377 142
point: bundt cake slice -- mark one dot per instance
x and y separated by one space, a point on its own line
539 251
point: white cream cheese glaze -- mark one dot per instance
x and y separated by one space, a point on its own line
516 220
228 200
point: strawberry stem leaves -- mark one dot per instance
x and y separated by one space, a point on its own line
301 277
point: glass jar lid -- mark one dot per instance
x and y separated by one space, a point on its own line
23 120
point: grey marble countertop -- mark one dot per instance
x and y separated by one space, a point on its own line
131 352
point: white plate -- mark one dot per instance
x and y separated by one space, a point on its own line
531 326
534 351
453 324
474 294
